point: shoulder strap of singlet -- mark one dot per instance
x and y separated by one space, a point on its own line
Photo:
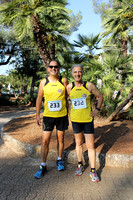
61 80
46 81
85 84
72 85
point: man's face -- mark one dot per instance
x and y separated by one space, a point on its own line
53 68
77 73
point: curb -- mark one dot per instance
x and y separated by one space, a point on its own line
110 160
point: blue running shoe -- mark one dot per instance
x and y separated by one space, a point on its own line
60 165
41 172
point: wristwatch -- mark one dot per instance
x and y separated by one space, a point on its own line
97 108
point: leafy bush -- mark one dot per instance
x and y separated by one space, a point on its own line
5 100
130 113
26 98
109 103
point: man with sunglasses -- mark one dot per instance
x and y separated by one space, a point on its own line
53 88
82 117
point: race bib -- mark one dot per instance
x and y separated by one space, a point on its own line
79 103
54 105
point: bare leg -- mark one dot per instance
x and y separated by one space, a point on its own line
89 139
60 140
45 144
79 145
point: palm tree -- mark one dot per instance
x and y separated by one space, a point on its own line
40 20
117 23
117 27
89 44
88 56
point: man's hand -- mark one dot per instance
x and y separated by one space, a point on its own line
38 120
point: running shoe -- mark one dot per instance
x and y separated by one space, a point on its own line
41 172
60 165
94 177
79 170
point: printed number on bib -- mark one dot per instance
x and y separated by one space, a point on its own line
55 105
79 103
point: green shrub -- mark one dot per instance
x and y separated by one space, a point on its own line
5 100
27 99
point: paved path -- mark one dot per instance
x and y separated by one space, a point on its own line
17 178
5 117
9 115
17 182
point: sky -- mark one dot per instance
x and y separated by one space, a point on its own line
91 23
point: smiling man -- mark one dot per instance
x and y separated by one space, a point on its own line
53 88
82 117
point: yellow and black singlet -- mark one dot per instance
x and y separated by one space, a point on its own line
80 103
54 99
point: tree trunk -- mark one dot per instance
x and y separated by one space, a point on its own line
124 53
124 46
32 88
33 82
52 48
119 108
24 90
41 39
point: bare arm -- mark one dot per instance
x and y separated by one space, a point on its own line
96 92
39 102
68 93
65 82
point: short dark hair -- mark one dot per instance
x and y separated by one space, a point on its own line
55 61
77 65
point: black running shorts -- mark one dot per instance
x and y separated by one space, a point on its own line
87 128
61 123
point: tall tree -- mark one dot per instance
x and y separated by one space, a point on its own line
8 46
88 45
117 25
27 66
100 6
87 54
41 20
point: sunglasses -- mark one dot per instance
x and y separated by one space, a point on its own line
52 66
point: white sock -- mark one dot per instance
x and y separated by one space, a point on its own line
59 158
43 164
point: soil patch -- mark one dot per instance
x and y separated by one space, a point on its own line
113 137
13 108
